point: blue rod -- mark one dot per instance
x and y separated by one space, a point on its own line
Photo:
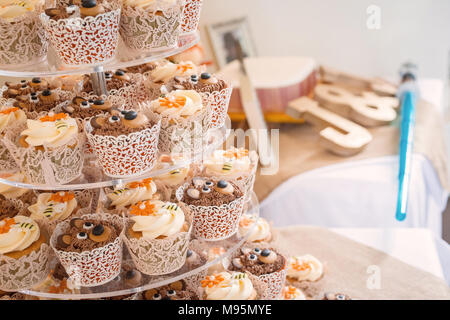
406 151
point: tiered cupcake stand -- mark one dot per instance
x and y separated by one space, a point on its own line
214 140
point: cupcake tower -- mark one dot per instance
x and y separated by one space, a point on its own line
99 192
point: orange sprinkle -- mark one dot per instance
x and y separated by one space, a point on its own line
184 68
141 184
57 116
65 197
9 110
148 210
59 289
8 222
171 103
289 292
5 175
211 281
245 222
236 153
218 250
300 266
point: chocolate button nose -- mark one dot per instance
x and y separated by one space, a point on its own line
131 115
265 253
98 230
88 3
99 102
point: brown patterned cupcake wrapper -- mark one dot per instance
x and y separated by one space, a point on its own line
191 16
213 223
126 155
94 267
89 40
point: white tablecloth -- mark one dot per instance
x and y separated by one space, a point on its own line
362 194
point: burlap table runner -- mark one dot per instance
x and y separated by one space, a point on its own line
301 152
346 264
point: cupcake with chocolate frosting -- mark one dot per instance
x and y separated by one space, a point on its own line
125 142
83 32
217 206
175 291
79 242
264 263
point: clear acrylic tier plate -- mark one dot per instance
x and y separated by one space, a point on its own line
212 141
117 287
124 58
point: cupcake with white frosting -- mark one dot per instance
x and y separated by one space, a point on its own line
305 272
257 229
23 253
157 236
151 25
23 38
228 286
292 293
236 164
9 116
183 114
132 193
48 150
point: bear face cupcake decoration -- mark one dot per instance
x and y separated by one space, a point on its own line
86 235
120 123
174 291
258 261
205 192
85 108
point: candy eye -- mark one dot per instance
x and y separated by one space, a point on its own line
209 183
91 101
84 105
252 257
82 235
157 296
257 250
206 190
114 119
171 293
340 297
88 225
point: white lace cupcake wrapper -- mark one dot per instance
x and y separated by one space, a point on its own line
191 16
213 223
27 271
274 281
126 155
159 256
88 40
51 166
22 41
146 30
220 101
126 98
94 267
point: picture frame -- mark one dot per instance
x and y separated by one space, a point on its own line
223 37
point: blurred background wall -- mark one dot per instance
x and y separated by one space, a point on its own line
335 32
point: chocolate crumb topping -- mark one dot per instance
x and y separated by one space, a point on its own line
212 197
255 266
